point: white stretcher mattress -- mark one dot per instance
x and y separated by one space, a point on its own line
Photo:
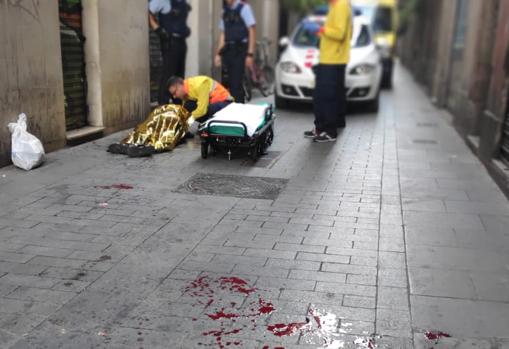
252 115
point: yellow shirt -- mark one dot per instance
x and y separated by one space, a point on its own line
204 91
337 33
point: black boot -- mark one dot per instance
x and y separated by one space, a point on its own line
140 151
117 148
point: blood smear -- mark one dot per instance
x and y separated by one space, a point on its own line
281 330
115 186
432 336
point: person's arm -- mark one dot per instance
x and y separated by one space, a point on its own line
154 23
250 21
338 27
202 102
220 45
251 47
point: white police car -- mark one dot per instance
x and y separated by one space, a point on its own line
295 80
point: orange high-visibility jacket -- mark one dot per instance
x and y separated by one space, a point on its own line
205 91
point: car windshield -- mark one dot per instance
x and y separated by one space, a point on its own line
306 37
379 16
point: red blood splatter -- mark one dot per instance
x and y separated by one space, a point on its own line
222 315
219 335
281 330
202 289
265 307
316 317
115 186
433 336
236 284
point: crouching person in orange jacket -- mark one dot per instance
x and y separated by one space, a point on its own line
201 95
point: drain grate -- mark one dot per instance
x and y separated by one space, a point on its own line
235 186
424 141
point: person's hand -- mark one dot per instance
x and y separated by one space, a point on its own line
163 34
190 121
217 60
320 31
249 62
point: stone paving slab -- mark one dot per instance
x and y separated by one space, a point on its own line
393 237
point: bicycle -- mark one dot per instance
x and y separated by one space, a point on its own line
261 75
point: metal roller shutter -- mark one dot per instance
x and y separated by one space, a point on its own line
73 64
156 65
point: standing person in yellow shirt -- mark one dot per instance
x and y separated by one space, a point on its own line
330 94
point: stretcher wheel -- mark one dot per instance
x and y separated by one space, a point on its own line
254 151
204 150
267 141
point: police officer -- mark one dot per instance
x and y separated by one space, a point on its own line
168 18
237 44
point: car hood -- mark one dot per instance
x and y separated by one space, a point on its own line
307 57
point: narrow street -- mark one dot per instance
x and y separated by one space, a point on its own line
393 237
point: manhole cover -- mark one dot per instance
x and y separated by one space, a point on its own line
236 186
424 141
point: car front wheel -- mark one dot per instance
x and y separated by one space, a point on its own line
374 105
281 103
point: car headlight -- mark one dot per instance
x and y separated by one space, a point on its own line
362 69
290 67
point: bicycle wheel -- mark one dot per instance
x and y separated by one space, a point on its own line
248 88
267 83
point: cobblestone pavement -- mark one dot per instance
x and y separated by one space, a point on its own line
394 237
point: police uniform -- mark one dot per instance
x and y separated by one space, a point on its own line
235 25
172 16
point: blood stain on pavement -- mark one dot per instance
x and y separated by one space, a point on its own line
115 186
265 307
368 343
222 315
281 330
207 293
436 335
236 284
218 334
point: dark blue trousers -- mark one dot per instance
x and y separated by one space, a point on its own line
329 100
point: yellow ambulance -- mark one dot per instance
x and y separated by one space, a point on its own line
383 15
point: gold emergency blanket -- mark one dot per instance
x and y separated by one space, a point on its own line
164 128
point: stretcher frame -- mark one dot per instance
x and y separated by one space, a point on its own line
256 144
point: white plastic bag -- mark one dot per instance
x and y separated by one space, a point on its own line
27 151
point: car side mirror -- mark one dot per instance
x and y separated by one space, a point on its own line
284 42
